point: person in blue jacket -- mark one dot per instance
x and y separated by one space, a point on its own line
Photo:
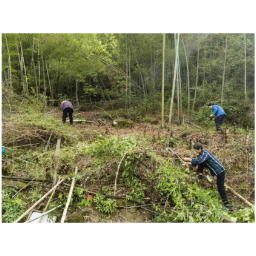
219 115
3 151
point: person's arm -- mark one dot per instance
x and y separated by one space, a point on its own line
214 111
203 157
187 160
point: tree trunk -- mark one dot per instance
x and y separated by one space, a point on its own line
44 77
174 77
25 88
163 81
9 66
180 87
3 63
51 92
197 66
245 92
77 101
21 66
188 88
126 88
224 68
34 66
38 69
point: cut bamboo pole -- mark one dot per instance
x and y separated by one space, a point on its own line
118 172
69 198
40 200
46 207
47 145
194 124
235 193
246 149
56 161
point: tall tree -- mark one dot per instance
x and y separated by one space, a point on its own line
224 68
163 81
25 87
176 37
245 92
197 66
9 66
188 87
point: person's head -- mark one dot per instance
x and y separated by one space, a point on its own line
210 105
62 103
198 147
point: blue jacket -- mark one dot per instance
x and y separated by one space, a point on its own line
3 150
217 111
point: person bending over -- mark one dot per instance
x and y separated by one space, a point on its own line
219 115
67 109
208 160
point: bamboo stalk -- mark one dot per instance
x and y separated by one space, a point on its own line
242 198
46 207
163 81
40 200
23 179
56 161
69 198
246 149
194 124
46 147
118 172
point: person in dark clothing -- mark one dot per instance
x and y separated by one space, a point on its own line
67 109
219 115
208 160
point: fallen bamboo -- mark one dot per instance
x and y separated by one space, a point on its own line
45 208
48 143
235 193
56 161
40 200
22 188
81 121
69 198
194 124
24 179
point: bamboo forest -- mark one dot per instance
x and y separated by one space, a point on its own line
128 128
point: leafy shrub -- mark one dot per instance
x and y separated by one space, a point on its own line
191 203
245 215
105 206
11 208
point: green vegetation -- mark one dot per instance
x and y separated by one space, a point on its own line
111 76
105 206
11 208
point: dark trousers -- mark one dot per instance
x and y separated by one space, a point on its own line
67 111
220 182
218 121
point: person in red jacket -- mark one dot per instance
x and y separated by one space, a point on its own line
67 109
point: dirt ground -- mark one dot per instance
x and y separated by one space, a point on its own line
181 138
